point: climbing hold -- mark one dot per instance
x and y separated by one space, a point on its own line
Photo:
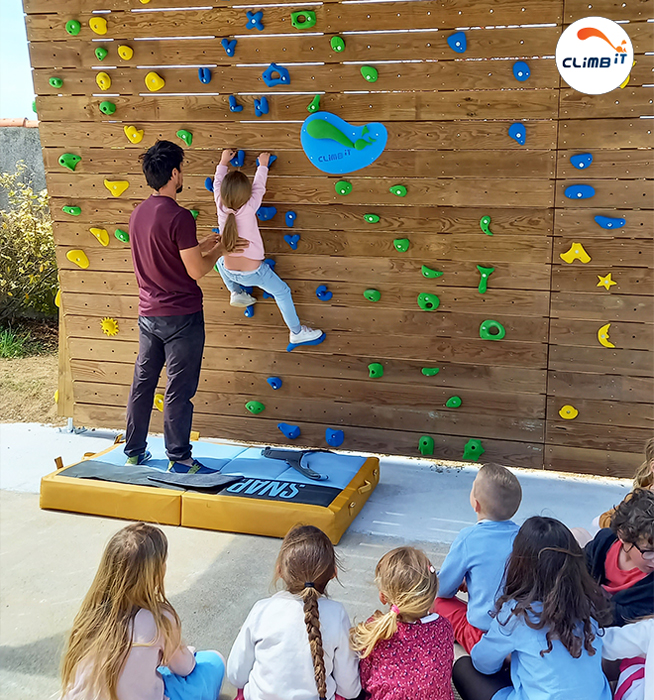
254 20
73 211
238 160
194 213
186 136
122 235
56 82
103 80
582 160
78 257
260 106
518 132
73 27
491 330
375 370
57 299
576 252
116 187
234 106
305 19
107 107
369 73
159 402
266 213
204 75
33 105
323 293
275 382
337 44
153 81
334 437
270 262
292 432
430 371
290 218
428 272
109 326
579 192
372 294
271 160
314 105
276 75
568 412
605 282
291 346
125 52
255 407
343 187
101 53
371 218
268 296
426 445
69 160
457 42
208 183
398 190
485 273
603 336
453 402
249 311
292 240
133 134
473 450
98 25
401 244
428 302
229 46
101 234
625 82
608 222
521 71
484 225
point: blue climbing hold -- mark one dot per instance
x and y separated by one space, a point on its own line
521 71
248 290
334 437
579 192
270 262
238 160
322 292
608 222
249 311
518 132
275 382
582 160
266 213
204 74
290 218
266 295
234 106
282 75
457 42
271 160
290 431
291 346
254 20
229 46
260 106
292 240
208 183
216 230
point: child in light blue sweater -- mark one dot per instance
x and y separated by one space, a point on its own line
477 558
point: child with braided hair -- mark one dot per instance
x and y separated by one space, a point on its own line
295 645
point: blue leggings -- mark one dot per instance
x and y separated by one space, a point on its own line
203 683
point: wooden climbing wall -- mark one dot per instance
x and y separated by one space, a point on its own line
447 115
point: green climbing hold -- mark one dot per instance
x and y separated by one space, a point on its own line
73 211
485 273
314 105
428 302
473 450
195 213
107 107
369 73
453 402
372 294
73 27
122 235
56 82
343 187
255 407
69 160
401 244
371 218
484 224
491 330
398 190
186 136
428 272
101 53
321 129
426 445
304 19
430 371
33 105
337 44
376 370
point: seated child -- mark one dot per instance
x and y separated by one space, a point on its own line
405 652
621 558
636 680
478 555
295 645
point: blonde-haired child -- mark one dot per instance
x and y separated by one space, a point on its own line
294 645
126 630
405 652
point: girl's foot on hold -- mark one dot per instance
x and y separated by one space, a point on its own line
305 335
242 299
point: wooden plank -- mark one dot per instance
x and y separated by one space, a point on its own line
578 222
65 398
580 460
627 336
609 164
606 253
603 307
637 194
611 9
633 363
605 133
629 103
628 280
601 413
618 438
613 387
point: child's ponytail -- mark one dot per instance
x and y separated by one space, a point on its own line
364 637
235 191
312 621
229 233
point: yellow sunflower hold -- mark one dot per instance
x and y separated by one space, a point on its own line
568 412
79 258
109 326
57 299
576 252
154 82
101 234
603 336
133 134
605 282
103 80
125 52
159 402
116 187
98 25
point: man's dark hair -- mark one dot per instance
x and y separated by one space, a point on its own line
159 161
633 519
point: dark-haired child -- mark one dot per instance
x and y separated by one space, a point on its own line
547 619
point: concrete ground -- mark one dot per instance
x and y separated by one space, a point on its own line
48 559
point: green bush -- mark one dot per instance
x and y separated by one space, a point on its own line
28 266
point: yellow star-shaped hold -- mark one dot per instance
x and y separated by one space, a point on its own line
605 282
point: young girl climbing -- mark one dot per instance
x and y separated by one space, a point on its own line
126 639
547 619
405 652
294 645
238 201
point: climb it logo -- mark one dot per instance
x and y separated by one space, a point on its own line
594 55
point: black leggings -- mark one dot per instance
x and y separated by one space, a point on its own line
473 685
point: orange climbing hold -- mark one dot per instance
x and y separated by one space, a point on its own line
116 187
78 257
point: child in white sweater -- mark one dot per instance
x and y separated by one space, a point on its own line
636 680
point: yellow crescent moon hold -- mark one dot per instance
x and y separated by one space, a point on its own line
603 336
568 412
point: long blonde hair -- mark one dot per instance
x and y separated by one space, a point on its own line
235 191
644 476
130 577
408 581
306 563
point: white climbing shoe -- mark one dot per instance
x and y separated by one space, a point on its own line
241 299
305 335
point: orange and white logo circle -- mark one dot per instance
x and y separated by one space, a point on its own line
594 55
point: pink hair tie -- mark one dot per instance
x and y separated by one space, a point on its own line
395 609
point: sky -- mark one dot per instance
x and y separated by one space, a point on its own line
16 88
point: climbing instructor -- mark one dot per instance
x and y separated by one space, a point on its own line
168 261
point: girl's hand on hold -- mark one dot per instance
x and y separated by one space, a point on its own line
227 155
264 158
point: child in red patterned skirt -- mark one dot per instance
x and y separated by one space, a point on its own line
405 652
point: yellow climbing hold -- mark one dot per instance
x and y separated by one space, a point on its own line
576 252
159 402
603 336
605 282
101 234
103 80
56 396
125 52
79 258
133 134
116 187
109 326
568 412
145 2
154 82
625 82
57 299
98 25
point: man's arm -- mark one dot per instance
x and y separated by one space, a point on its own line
198 264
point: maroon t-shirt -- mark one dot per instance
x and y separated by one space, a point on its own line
158 229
